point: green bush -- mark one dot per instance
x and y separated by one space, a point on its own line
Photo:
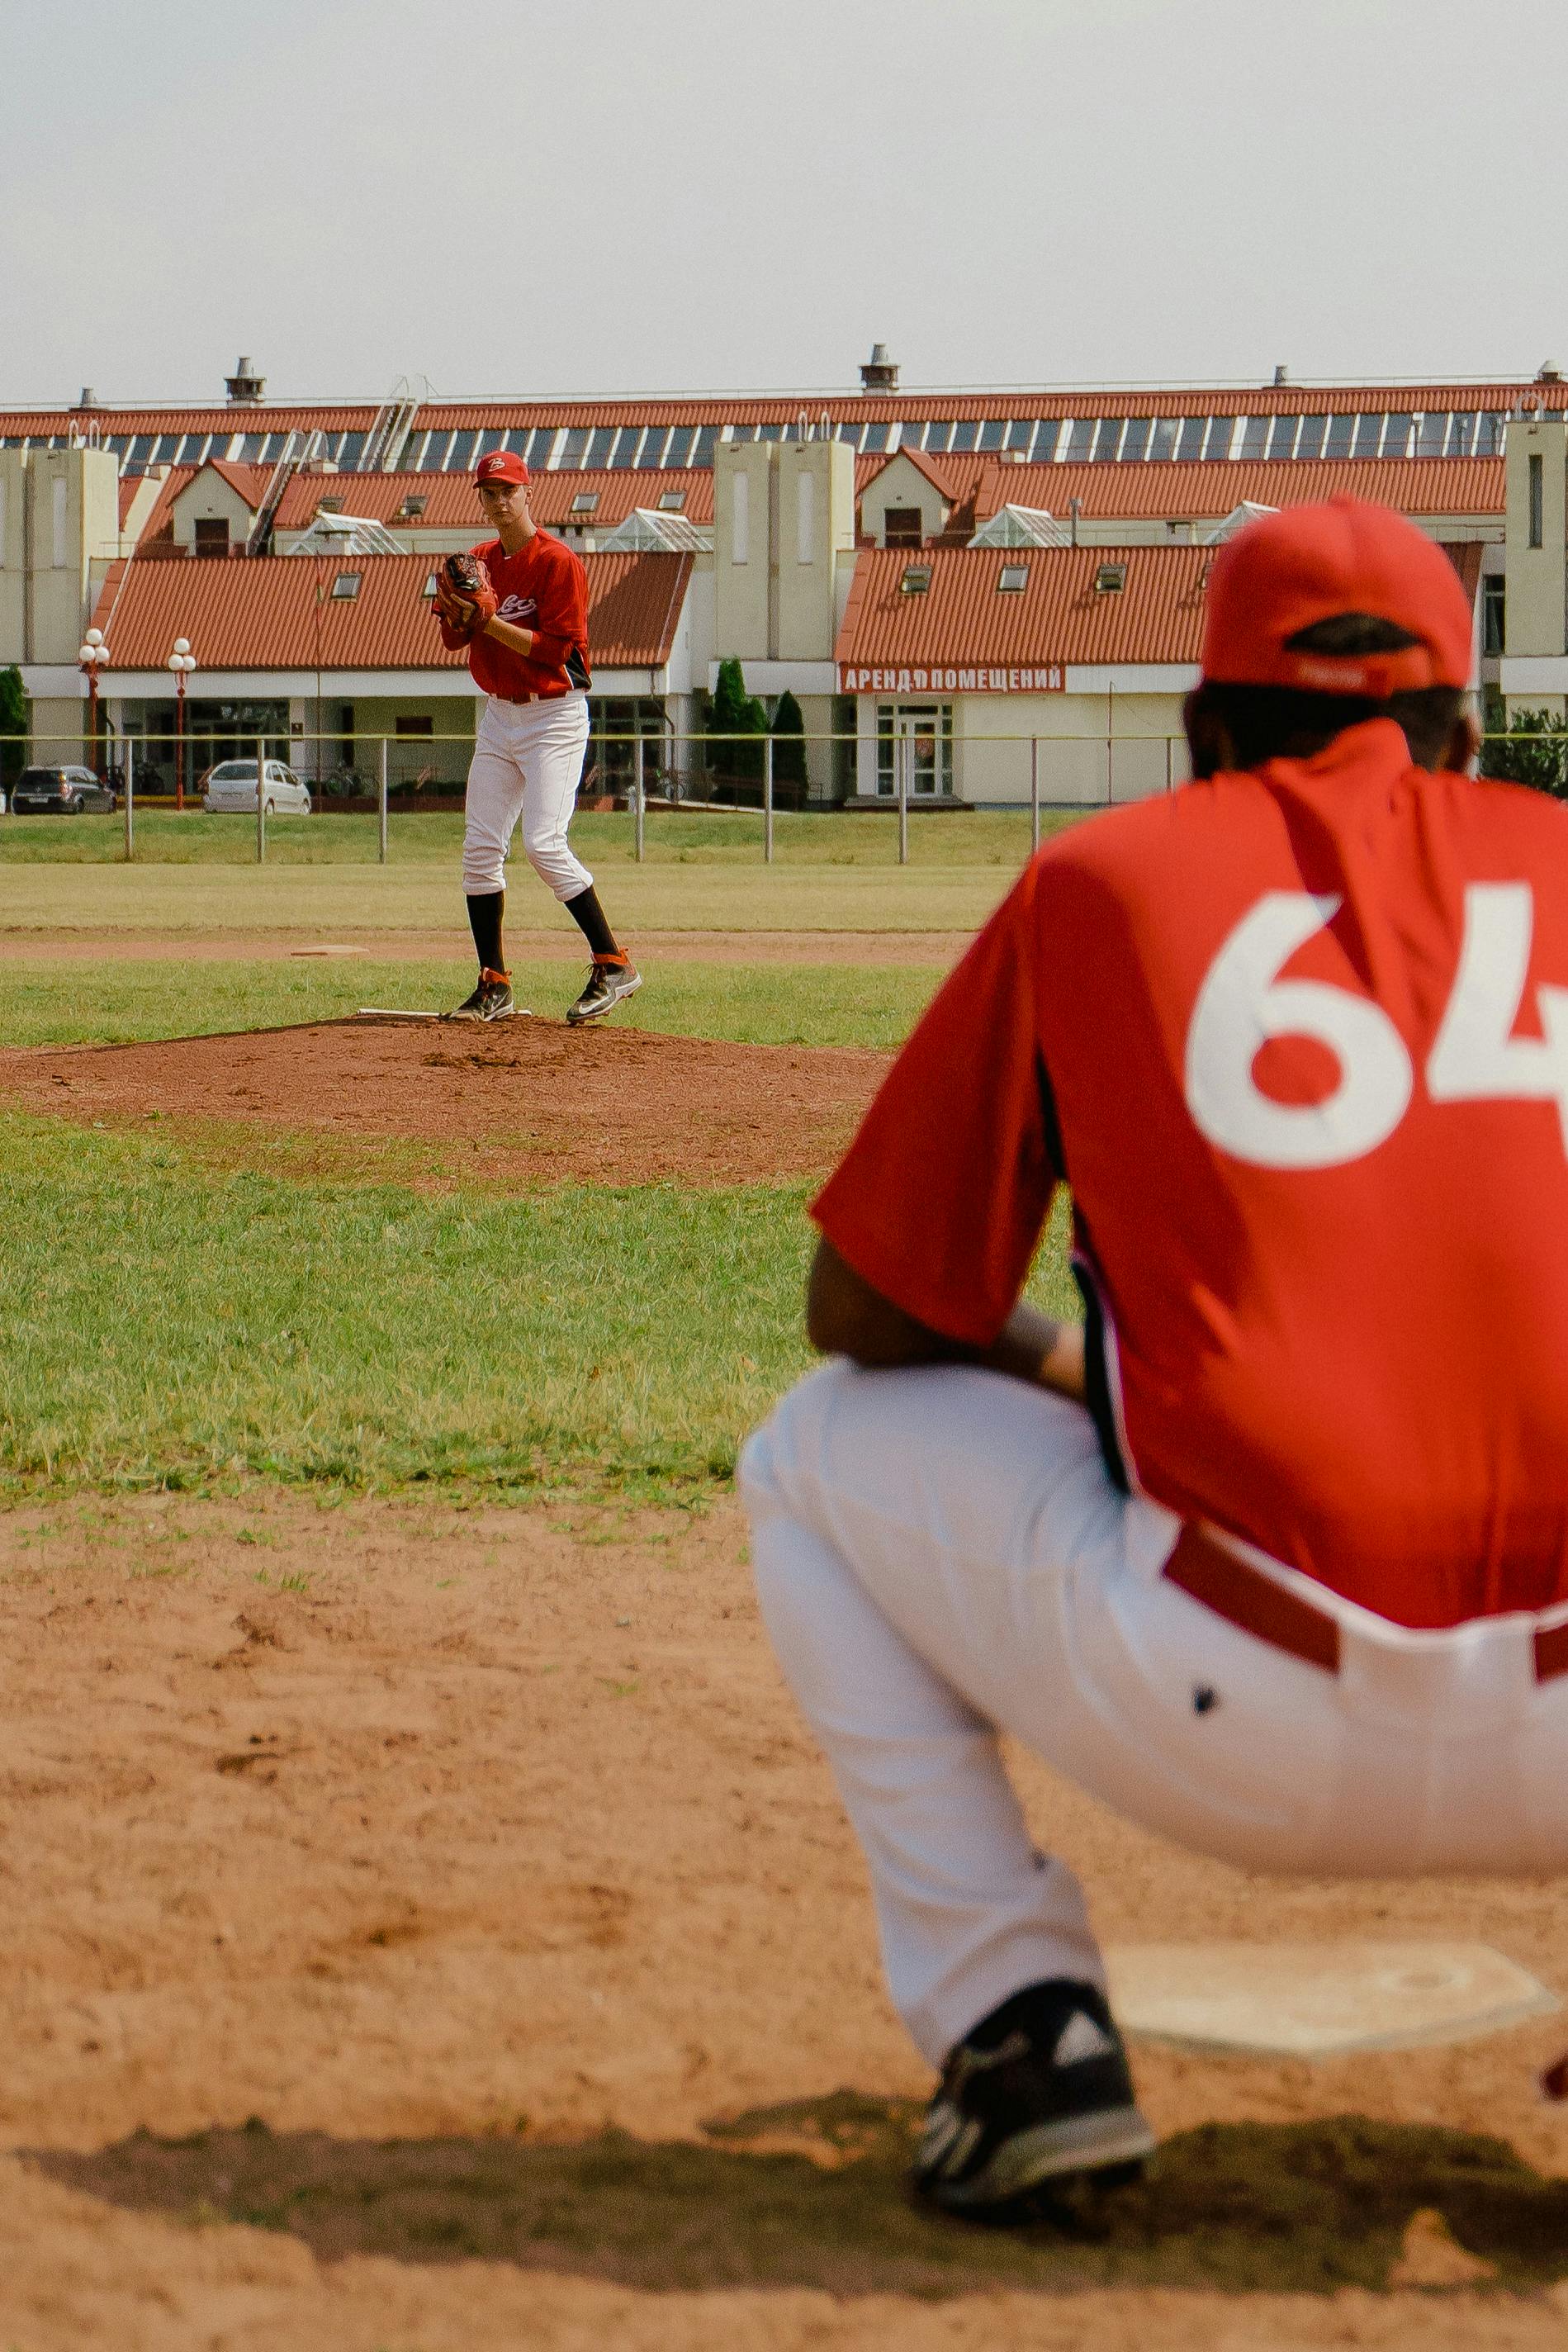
789 741
1533 751
735 712
14 722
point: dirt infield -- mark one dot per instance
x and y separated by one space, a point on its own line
520 1101
432 1929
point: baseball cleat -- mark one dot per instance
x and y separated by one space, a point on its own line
491 1001
1039 2091
606 984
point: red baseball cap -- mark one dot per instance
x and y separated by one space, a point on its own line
501 466
1287 572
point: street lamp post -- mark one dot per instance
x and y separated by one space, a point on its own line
182 661
90 659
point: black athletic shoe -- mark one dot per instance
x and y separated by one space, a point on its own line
1039 2090
606 984
491 1001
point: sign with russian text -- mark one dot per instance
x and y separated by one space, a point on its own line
856 680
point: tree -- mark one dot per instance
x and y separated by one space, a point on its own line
14 715
735 712
1533 750
789 741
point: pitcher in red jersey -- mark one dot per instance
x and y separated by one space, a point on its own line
530 659
1270 1552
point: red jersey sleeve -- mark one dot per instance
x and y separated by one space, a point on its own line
941 1199
561 620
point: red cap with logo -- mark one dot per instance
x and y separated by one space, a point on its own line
501 466
1286 573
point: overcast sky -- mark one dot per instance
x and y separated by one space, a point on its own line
599 196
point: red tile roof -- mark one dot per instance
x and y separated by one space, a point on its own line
1059 618
450 503
249 482
952 477
1413 486
279 613
786 408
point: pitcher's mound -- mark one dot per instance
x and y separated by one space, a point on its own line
606 1105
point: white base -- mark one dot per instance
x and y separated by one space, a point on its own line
1319 2000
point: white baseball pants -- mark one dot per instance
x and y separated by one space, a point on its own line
528 759
940 1556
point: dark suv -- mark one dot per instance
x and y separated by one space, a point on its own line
60 792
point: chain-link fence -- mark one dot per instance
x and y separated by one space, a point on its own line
908 773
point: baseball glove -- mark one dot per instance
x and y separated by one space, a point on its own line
465 594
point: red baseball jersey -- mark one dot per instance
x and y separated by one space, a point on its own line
543 587
1298 1041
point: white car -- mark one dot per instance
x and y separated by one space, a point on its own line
230 790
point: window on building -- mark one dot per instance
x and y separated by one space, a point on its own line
965 435
1494 622
672 502
429 589
701 453
916 579
1040 432
902 527
1162 438
1136 440
460 456
1537 503
1255 435
1399 434
1110 579
422 728
875 440
1012 579
993 433
600 441
1368 434
585 503
1080 439
1189 439
1461 437
1493 431
1431 432
1340 435
1108 439
211 535
1282 430
1310 442
346 586
350 449
410 457
572 446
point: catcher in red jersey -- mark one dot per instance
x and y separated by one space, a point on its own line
520 604
1270 1551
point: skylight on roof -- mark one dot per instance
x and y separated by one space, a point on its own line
1109 579
346 586
672 502
429 589
916 579
1012 579
585 503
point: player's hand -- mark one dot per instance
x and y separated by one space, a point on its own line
464 595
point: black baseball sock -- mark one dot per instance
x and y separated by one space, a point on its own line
485 922
593 923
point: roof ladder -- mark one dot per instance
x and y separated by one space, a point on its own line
393 419
297 449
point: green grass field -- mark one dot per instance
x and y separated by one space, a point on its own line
213 1307
417 838
764 1005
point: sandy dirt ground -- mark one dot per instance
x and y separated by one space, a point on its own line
926 947
529 1099
432 1929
